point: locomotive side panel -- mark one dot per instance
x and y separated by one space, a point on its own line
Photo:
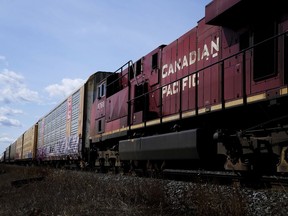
95 106
188 93
152 71
170 91
116 106
144 97
233 71
208 52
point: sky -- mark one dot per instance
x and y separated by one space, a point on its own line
49 48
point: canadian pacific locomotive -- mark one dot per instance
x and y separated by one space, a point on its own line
214 98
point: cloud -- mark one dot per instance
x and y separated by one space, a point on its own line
9 111
67 87
13 88
5 121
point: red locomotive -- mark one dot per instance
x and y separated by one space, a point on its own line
214 98
217 94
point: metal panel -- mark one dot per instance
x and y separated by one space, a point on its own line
216 8
10 153
117 106
7 154
178 145
75 113
19 148
29 142
58 131
91 105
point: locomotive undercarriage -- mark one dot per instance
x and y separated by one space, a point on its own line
108 161
262 145
251 151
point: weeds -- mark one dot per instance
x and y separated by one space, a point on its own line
70 193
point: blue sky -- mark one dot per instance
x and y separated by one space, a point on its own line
48 48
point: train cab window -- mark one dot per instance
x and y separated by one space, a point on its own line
135 69
131 72
99 126
155 61
265 52
138 67
101 90
244 40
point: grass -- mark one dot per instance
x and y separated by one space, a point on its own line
64 192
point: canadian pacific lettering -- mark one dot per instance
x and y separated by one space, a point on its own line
173 88
188 82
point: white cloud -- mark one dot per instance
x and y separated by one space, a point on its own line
5 120
67 87
9 122
9 111
10 77
13 88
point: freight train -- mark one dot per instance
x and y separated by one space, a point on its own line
214 98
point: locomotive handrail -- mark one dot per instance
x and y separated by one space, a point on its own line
120 70
221 61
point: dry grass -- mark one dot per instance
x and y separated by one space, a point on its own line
72 193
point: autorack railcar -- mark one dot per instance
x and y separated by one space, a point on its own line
60 137
62 133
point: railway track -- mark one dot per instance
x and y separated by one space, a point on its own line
198 176
224 177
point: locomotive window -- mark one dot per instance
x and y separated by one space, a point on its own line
135 69
101 90
265 53
244 41
155 61
138 67
131 72
99 126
